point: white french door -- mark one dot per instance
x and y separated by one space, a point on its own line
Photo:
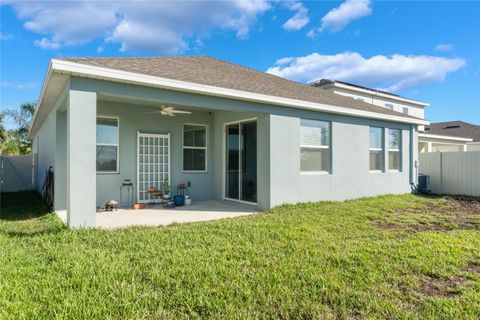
153 164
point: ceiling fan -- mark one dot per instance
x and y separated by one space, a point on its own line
169 111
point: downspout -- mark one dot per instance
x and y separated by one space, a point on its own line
413 157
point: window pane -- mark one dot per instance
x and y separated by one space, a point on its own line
107 131
393 139
106 158
376 137
194 160
394 160
376 160
194 136
314 159
314 133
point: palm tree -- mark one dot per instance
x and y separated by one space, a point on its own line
19 136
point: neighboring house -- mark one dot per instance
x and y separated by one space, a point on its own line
233 133
428 141
450 136
376 97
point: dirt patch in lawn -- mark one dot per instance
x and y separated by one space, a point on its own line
464 204
455 213
448 287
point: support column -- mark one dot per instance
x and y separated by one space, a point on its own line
81 155
429 147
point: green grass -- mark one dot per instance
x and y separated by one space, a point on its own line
368 258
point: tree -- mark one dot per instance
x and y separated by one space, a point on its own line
3 131
17 139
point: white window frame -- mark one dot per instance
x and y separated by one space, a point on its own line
399 150
382 169
195 148
302 146
389 106
117 171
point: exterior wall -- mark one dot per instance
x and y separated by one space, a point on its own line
350 176
473 146
133 118
44 148
429 144
413 110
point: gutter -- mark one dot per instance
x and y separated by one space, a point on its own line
437 136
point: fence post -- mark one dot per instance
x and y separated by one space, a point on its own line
441 172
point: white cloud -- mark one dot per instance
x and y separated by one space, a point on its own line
444 47
391 73
5 36
337 18
299 20
156 26
18 86
46 44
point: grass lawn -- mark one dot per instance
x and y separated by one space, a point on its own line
396 257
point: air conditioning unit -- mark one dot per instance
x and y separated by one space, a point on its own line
423 183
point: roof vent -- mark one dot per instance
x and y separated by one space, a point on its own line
452 127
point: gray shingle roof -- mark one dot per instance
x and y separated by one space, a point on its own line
218 73
455 129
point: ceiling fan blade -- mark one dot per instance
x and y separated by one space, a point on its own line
181 111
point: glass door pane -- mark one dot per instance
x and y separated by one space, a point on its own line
232 187
248 147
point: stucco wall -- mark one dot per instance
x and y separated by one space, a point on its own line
133 118
44 148
278 163
350 176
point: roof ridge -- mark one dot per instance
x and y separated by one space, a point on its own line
127 58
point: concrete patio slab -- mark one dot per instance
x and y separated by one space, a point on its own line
158 216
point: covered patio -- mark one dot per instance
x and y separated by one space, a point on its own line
156 215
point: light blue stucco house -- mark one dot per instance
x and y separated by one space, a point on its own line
232 133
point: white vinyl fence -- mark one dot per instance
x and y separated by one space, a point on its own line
452 172
16 173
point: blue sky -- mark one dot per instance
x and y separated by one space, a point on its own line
428 51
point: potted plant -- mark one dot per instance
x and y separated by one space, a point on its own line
166 189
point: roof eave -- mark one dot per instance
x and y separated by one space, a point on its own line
85 70
380 94
438 136
40 98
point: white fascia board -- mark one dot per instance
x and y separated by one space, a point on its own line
142 79
440 137
40 97
379 94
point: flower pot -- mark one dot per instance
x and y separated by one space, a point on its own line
188 201
166 196
138 206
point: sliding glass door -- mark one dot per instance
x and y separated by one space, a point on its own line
241 161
